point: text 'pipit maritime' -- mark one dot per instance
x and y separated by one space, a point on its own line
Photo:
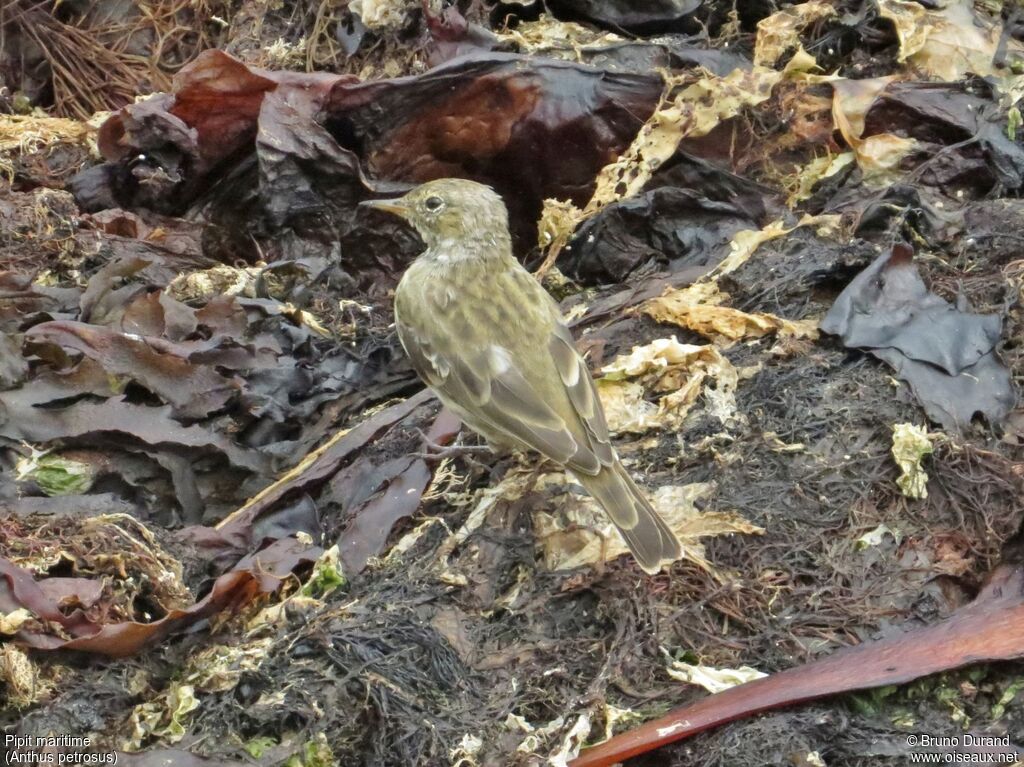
489 340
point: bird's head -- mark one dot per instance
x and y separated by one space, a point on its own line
451 212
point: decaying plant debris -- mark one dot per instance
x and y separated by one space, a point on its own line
788 239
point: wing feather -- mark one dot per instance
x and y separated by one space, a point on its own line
582 393
429 366
516 408
500 388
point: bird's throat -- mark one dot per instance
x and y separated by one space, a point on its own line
445 253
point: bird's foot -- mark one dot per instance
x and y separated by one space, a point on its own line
432 452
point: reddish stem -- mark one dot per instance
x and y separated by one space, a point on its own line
989 628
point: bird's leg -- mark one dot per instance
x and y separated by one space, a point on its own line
435 453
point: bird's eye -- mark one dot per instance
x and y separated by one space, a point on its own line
433 204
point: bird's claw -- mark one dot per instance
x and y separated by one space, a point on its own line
432 452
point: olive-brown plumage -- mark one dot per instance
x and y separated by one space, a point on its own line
488 339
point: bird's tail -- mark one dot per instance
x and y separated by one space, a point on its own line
648 536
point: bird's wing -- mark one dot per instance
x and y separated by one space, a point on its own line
485 381
582 393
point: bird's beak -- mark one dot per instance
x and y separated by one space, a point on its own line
397 207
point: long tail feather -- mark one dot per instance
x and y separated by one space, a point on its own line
648 536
